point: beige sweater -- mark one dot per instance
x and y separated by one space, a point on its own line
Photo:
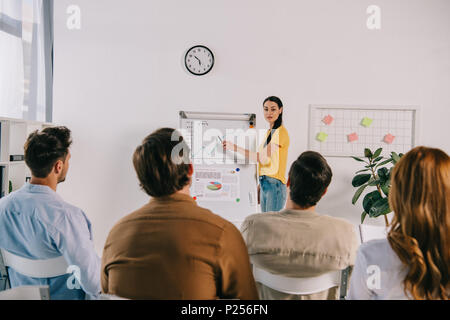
299 243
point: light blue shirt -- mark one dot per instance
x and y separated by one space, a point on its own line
378 273
36 223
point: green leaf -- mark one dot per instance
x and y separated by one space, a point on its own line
374 182
377 153
385 162
358 193
370 199
363 170
370 165
385 187
358 159
380 207
386 183
383 173
363 216
395 157
360 179
377 159
367 153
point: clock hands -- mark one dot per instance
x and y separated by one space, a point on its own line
203 67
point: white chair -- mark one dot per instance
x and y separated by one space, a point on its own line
105 296
26 293
47 268
4 280
303 286
368 232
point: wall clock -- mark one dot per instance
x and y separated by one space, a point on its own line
199 60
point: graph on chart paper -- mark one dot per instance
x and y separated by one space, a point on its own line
346 131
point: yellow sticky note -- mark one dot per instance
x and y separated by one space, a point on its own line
366 122
321 136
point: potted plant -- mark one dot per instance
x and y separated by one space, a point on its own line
375 174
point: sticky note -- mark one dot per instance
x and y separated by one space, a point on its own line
352 137
328 120
366 122
321 136
389 138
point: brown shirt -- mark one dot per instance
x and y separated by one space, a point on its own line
173 249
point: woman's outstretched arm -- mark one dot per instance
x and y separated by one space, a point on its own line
262 157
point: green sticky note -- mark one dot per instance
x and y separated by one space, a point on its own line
321 136
366 122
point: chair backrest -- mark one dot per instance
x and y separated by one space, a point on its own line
26 293
368 232
300 286
105 296
47 268
4 278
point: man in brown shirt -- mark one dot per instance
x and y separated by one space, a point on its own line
171 248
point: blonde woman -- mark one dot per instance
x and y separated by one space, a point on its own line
413 262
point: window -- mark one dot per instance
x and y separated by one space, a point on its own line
26 59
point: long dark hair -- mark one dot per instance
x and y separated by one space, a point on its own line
277 122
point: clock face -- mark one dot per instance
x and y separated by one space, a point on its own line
199 60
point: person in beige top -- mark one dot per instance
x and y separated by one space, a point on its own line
297 241
171 248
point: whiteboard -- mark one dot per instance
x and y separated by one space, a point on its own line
348 130
223 182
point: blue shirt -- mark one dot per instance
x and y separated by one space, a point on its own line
36 223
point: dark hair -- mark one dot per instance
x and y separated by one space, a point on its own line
162 162
43 149
277 122
309 176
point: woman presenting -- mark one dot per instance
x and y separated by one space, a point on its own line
271 157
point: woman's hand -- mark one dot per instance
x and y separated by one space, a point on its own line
252 156
227 145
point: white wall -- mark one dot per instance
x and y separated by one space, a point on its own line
120 77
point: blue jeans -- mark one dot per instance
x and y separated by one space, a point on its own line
272 194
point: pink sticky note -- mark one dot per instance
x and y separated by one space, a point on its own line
352 137
328 120
389 138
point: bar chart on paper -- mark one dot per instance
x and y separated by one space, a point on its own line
347 130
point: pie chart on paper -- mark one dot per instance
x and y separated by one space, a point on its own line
214 186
